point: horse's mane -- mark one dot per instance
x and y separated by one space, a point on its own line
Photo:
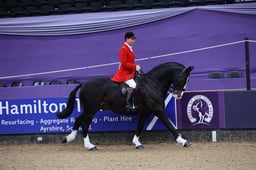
151 90
148 82
165 66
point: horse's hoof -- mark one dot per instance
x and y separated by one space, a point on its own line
140 147
93 148
64 140
187 143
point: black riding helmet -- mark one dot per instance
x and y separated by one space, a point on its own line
129 35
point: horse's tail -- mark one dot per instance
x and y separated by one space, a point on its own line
70 105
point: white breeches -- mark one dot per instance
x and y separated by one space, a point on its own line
131 83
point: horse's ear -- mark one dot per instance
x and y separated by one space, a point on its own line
188 69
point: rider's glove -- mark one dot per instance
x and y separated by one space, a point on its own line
138 68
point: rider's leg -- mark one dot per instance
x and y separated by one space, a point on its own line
129 98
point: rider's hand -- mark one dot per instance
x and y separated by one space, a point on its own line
138 68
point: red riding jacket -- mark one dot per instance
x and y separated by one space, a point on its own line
127 65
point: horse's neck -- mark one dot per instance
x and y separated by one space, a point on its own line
164 76
151 89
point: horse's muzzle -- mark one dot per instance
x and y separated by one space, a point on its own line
177 94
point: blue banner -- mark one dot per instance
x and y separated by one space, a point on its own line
28 116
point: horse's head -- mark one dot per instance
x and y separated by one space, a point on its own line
171 76
180 82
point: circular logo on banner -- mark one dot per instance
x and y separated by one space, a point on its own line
200 110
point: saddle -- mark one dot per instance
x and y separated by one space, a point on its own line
124 87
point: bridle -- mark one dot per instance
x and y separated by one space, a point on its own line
172 90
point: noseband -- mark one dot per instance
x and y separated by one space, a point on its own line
171 89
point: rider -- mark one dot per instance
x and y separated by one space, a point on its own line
127 68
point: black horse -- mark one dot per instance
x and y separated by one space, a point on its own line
152 87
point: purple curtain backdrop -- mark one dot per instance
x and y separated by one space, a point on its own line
70 56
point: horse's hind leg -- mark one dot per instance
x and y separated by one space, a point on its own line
73 134
85 126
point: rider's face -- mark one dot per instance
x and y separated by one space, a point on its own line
130 41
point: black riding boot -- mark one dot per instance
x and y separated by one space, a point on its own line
129 100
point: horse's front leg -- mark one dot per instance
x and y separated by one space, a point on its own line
139 130
162 115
